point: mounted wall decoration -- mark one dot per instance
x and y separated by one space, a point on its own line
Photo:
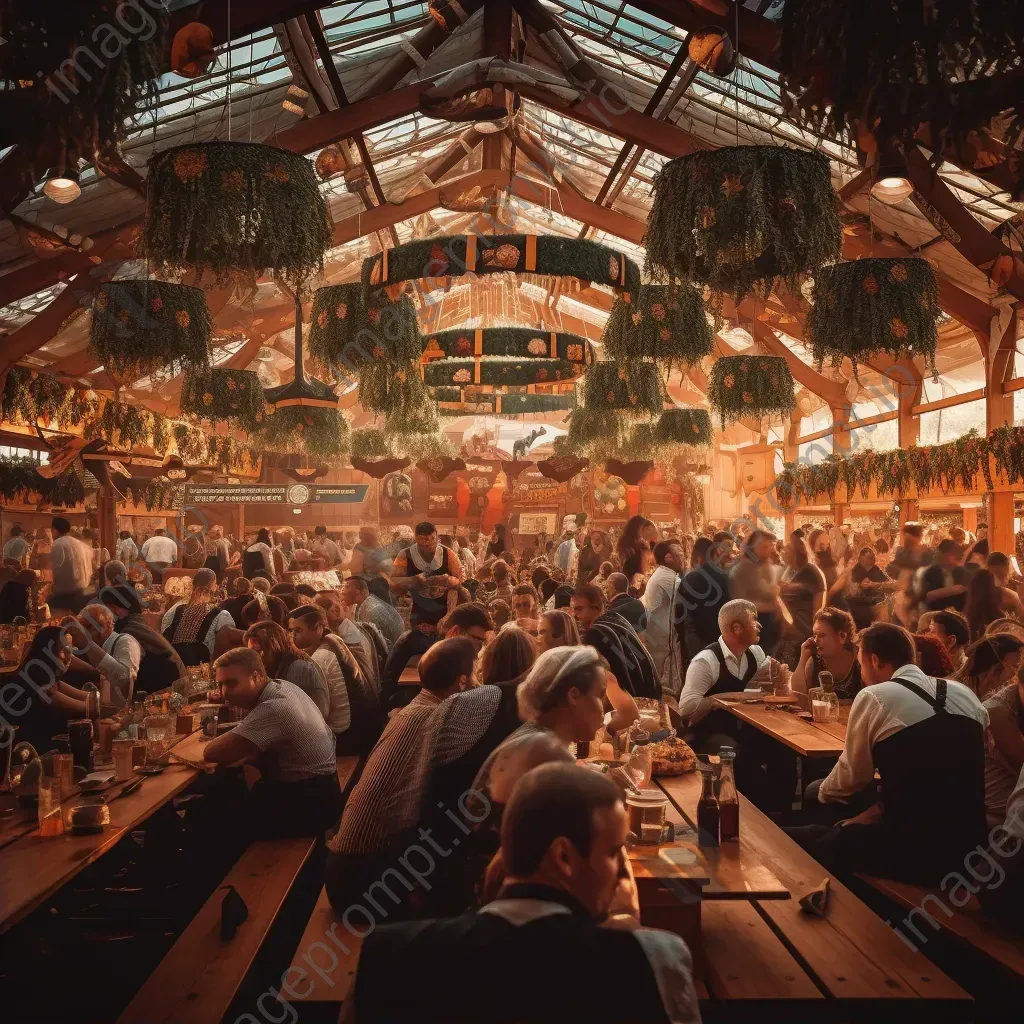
235 207
754 386
141 326
499 371
345 333
512 342
634 390
874 305
217 394
741 217
437 260
666 322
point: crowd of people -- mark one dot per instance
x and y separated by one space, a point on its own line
524 651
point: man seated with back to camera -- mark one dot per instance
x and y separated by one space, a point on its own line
427 571
382 809
286 738
926 739
530 954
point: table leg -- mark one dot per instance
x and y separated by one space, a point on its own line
798 796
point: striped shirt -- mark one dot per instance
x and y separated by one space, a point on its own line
386 799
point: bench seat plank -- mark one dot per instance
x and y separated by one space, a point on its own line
851 951
197 979
321 971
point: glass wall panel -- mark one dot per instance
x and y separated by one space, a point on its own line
944 425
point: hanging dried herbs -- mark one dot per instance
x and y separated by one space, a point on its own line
320 433
142 326
235 207
388 389
224 396
634 389
371 443
125 425
192 444
345 333
31 397
20 481
684 427
740 218
666 322
870 306
754 386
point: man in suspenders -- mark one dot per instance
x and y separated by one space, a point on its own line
726 666
926 739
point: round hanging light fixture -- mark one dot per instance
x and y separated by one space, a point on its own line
62 186
892 190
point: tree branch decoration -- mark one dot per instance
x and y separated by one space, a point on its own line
870 306
31 397
320 433
235 207
513 342
345 333
876 69
224 396
691 427
499 371
634 390
741 217
754 386
437 260
142 326
666 322
20 481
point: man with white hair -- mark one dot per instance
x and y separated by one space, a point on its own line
116 656
726 666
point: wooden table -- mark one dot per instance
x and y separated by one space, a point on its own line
410 677
33 868
850 961
808 739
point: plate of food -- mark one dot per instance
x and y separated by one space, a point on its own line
672 756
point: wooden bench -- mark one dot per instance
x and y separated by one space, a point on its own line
198 978
323 969
967 923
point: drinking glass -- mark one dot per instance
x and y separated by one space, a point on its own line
158 733
51 823
123 759
64 769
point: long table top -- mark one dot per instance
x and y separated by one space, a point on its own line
33 868
808 739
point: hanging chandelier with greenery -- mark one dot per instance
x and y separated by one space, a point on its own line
634 390
754 386
141 326
666 322
222 395
235 207
345 332
691 427
322 434
740 218
499 371
870 306
460 402
390 389
511 342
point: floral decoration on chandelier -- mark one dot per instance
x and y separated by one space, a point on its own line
741 217
223 395
690 427
754 386
874 305
513 342
634 390
666 322
499 371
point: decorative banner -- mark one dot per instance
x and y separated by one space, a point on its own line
396 497
442 505
537 522
269 494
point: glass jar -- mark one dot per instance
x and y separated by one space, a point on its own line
640 764
51 821
824 700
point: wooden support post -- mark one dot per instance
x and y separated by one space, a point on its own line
106 514
841 442
970 519
909 511
1000 522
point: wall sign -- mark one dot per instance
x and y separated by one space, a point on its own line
270 494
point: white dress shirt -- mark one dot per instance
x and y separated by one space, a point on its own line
120 663
71 563
878 712
127 551
160 549
703 673
658 599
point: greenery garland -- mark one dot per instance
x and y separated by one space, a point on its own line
666 322
29 397
634 389
228 207
499 371
321 433
753 386
128 426
158 493
961 464
874 305
690 427
141 326
345 333
226 452
514 342
740 217
20 479
191 443
456 402
440 259
223 395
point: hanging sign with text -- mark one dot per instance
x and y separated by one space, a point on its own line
272 494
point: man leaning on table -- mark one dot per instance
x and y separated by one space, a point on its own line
926 739
728 665
116 656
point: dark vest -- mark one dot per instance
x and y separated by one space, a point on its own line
480 968
719 721
933 788
194 652
364 704
424 608
252 563
160 665
727 682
